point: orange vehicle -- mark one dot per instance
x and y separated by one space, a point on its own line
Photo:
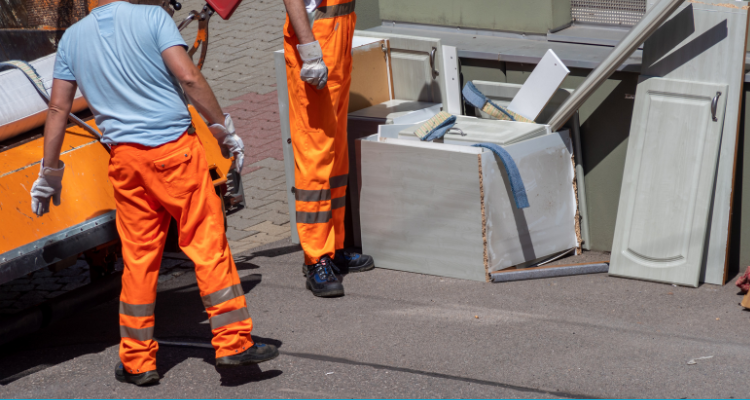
84 223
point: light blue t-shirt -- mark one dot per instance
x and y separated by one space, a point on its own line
114 54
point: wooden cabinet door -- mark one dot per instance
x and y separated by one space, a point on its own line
667 188
417 66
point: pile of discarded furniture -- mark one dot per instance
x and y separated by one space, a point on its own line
482 180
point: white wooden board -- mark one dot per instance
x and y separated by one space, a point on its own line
421 208
516 236
282 92
705 42
665 202
452 79
540 86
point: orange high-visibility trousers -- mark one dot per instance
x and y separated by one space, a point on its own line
152 185
317 120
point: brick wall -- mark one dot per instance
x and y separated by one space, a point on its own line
55 13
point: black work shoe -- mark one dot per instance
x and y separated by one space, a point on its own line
321 279
142 379
257 354
351 262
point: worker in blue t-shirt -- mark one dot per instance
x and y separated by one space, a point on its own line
131 66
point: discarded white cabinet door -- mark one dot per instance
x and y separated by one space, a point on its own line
446 209
705 42
673 148
540 87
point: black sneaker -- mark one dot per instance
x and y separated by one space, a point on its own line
257 354
321 279
351 262
142 379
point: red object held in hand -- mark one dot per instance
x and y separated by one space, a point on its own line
225 8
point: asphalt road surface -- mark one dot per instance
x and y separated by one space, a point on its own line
398 334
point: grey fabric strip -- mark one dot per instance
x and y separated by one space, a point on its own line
137 310
142 334
338 202
227 318
339 181
333 11
222 295
312 195
313 217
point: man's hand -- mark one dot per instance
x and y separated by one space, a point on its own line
48 185
230 143
314 70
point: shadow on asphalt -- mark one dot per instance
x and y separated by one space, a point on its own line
179 313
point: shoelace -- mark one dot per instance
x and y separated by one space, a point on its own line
324 269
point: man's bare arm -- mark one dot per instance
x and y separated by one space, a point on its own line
300 21
193 83
60 103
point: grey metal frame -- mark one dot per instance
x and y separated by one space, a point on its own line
59 246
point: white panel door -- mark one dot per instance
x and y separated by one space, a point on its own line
667 187
417 66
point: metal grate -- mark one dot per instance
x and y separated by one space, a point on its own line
608 12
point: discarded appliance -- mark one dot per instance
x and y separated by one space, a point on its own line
393 76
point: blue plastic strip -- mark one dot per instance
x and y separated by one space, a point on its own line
478 99
473 95
516 183
440 130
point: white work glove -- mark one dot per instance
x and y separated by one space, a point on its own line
314 70
230 143
49 184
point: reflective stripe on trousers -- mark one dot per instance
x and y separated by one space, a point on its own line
152 185
318 129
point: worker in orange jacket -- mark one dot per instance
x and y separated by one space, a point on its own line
318 78
129 62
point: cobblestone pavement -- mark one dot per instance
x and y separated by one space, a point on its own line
239 67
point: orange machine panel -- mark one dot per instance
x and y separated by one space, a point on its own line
87 192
